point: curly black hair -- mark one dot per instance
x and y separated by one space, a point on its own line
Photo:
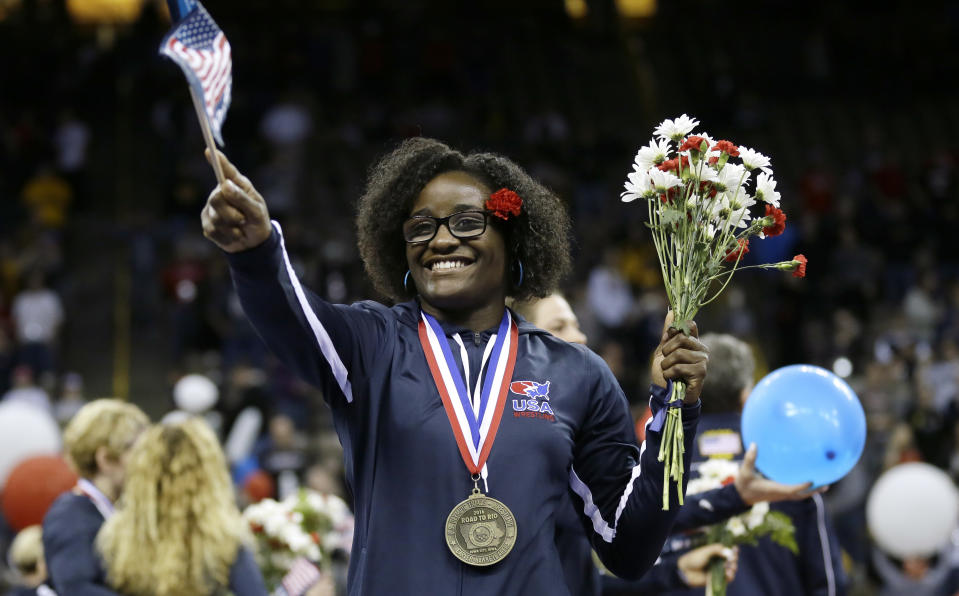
539 236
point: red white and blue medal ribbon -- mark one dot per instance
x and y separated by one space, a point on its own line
474 426
100 500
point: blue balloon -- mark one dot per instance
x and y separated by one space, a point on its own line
807 423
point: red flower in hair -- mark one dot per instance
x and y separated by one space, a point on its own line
779 221
504 203
801 270
727 147
692 142
737 253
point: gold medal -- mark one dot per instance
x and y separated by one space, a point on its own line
480 530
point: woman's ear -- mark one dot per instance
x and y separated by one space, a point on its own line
104 459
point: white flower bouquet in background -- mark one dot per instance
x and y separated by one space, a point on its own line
703 207
307 525
746 528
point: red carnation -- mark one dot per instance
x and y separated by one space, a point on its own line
708 189
727 147
779 221
503 203
739 252
672 165
692 142
713 160
800 271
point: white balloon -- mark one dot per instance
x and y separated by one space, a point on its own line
912 510
26 430
195 394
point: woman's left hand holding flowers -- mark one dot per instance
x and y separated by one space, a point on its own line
681 357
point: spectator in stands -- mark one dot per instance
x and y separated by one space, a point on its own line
97 442
37 315
26 554
178 531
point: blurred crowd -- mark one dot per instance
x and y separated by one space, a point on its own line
102 178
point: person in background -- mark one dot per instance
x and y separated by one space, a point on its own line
23 388
177 531
71 398
37 315
26 555
96 441
283 455
554 314
766 568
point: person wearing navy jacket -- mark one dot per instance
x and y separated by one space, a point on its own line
96 442
767 568
449 397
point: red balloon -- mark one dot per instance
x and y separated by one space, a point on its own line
33 485
258 486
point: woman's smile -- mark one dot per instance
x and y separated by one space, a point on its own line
454 274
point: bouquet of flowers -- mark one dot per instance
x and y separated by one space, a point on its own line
701 217
746 528
307 525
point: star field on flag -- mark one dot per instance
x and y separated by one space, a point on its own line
203 53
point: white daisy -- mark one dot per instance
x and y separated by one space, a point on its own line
704 173
757 515
731 177
766 190
663 181
736 210
754 159
736 526
638 186
676 129
650 155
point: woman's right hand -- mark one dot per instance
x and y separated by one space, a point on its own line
694 565
235 216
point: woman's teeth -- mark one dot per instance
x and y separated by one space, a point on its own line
447 265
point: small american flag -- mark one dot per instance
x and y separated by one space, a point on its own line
301 577
203 53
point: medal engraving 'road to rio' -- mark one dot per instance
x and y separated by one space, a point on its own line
480 530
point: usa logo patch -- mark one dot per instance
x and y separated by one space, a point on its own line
536 402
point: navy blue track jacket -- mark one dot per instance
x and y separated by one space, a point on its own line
70 527
402 461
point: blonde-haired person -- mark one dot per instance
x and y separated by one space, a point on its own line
177 531
96 443
26 557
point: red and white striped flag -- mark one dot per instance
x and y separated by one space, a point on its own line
301 577
202 51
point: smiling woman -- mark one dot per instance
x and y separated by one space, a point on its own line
538 237
455 492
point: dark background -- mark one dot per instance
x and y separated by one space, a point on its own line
102 178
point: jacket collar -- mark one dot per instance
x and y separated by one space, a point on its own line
409 315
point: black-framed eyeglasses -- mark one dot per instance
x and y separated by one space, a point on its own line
462 224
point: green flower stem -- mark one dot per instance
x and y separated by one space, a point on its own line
672 446
717 576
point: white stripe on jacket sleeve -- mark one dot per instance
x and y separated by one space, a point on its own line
323 340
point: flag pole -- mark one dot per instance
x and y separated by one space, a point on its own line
207 134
